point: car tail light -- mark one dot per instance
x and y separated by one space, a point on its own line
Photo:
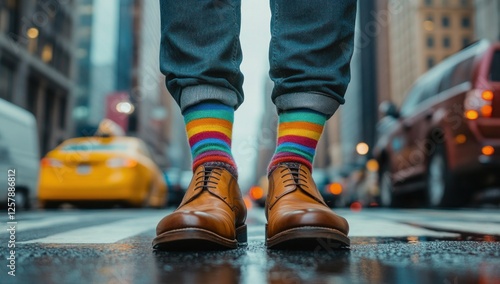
478 104
488 150
121 163
256 192
49 162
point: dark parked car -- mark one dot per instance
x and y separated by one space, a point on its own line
178 182
445 140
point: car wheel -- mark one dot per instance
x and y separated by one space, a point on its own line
51 205
387 198
22 201
146 203
442 190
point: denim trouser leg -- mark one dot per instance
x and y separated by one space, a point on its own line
310 52
311 48
200 50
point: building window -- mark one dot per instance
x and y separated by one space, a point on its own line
465 22
428 2
6 79
430 41
10 18
446 42
429 23
445 21
464 3
430 62
466 41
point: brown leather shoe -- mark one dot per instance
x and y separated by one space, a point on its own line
211 215
297 214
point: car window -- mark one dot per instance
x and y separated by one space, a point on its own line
430 88
495 67
457 74
446 81
412 100
462 72
95 146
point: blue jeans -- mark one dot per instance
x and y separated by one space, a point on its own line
310 51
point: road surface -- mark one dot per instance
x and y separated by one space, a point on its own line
388 246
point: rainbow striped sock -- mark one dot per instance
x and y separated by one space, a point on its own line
209 127
298 134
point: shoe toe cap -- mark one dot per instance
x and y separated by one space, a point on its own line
197 219
309 218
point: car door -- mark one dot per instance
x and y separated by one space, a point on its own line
403 143
418 127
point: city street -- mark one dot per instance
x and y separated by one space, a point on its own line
388 246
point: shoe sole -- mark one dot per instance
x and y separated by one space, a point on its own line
198 239
307 238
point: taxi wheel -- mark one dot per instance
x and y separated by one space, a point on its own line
51 205
146 203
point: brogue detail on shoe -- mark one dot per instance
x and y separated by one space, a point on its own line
211 211
295 209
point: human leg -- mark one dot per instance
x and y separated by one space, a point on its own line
200 57
310 52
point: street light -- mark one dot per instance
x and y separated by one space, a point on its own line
32 33
125 107
362 148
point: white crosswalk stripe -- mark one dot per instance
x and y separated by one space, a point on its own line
121 225
106 233
487 223
25 225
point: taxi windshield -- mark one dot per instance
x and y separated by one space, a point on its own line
95 146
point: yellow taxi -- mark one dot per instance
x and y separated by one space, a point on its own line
113 169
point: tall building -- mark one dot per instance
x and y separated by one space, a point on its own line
37 63
488 19
85 18
420 34
97 32
155 115
355 122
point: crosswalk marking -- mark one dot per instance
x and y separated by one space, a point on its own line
467 222
361 226
25 225
101 234
119 225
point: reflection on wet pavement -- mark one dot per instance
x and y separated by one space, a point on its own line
369 260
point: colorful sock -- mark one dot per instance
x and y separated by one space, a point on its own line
298 134
209 127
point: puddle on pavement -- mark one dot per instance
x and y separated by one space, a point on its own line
370 260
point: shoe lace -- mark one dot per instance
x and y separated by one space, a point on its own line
203 181
296 177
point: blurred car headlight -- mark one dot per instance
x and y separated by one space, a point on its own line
49 162
121 163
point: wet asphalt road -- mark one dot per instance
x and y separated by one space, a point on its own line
388 246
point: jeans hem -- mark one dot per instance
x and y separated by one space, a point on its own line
195 94
319 102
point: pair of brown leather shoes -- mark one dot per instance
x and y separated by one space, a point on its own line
212 214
